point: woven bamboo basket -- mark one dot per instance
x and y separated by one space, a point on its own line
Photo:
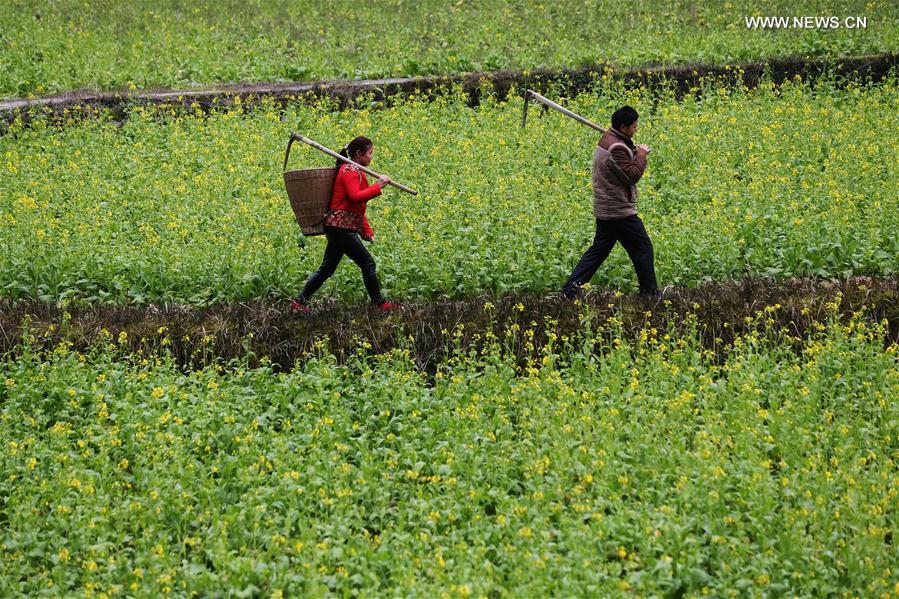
309 191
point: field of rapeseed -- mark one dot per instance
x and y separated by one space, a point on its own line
601 466
69 44
606 452
795 180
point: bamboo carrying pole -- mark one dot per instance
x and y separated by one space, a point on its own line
529 94
318 146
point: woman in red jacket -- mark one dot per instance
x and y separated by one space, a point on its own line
345 222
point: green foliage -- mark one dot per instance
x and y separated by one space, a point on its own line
600 466
71 44
789 181
647 466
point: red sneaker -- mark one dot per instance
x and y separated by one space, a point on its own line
298 306
386 306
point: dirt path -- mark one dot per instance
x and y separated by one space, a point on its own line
268 329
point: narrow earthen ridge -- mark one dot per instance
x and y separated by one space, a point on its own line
683 78
266 330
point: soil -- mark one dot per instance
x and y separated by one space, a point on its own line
268 331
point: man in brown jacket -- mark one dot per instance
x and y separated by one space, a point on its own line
617 166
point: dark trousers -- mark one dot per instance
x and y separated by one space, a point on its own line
340 242
631 233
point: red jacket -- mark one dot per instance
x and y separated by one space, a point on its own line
352 192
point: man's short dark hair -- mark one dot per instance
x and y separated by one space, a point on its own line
624 116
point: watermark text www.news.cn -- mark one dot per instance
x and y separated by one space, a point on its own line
806 22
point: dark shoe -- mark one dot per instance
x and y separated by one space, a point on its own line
572 294
655 295
298 305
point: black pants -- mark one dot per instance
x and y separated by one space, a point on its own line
340 242
631 233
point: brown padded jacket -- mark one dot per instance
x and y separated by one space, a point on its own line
616 169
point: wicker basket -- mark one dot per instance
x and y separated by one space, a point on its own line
309 191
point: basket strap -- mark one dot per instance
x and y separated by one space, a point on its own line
287 153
